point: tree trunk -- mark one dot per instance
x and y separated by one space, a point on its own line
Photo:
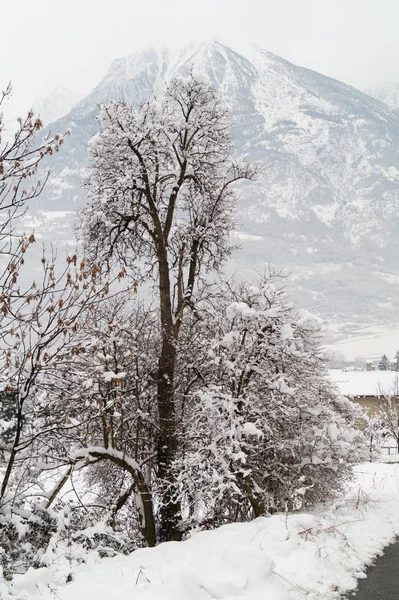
256 500
14 450
143 494
147 521
170 509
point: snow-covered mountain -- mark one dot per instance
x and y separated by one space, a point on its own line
327 203
387 92
56 103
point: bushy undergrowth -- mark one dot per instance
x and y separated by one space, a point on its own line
38 537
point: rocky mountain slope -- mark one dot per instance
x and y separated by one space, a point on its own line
327 204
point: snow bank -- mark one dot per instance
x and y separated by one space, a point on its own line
318 555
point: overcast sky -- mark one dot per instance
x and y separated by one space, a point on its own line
47 41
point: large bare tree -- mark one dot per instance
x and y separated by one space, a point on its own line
161 202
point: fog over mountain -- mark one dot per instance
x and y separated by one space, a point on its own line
387 92
326 206
56 103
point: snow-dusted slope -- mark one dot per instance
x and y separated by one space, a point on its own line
132 79
327 203
388 93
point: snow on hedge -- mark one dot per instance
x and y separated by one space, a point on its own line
318 555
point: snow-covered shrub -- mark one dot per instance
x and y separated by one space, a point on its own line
24 536
375 432
35 537
98 536
388 413
267 430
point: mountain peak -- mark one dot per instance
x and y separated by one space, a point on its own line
128 66
329 191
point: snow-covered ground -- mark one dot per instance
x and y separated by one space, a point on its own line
366 383
369 342
317 555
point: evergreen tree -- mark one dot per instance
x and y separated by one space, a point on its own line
397 360
384 364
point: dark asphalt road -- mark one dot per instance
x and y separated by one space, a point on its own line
382 581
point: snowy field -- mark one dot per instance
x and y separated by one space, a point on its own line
318 555
366 383
369 342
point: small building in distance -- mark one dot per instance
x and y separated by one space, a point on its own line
367 388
